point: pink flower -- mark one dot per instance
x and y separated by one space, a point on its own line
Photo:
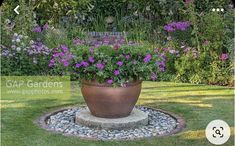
156 50
100 66
91 50
206 42
116 46
45 27
77 41
188 1
187 49
127 56
224 56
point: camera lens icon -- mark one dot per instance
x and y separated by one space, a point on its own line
217 132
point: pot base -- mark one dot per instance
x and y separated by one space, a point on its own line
135 119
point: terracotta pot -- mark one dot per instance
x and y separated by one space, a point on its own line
106 101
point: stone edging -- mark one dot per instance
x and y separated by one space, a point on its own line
180 126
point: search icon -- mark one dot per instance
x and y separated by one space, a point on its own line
217 132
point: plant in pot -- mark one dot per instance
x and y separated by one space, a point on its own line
111 76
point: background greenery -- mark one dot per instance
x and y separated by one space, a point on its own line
143 21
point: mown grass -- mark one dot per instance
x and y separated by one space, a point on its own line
198 104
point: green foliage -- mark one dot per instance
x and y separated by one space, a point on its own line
52 11
212 29
206 69
54 37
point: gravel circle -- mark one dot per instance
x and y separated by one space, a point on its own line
160 123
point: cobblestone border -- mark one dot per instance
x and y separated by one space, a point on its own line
181 124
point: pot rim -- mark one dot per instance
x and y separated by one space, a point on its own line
97 84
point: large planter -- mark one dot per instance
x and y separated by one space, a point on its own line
106 101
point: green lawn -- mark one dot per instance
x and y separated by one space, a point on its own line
198 104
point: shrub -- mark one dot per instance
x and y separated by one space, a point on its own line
206 68
24 57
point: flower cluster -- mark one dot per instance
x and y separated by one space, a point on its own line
115 41
116 67
24 56
38 48
61 55
39 29
23 47
224 56
173 26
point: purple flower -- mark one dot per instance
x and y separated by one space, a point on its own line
182 25
37 29
169 28
58 54
70 56
105 41
100 66
119 63
110 81
153 77
122 40
91 50
52 63
45 27
91 59
64 48
127 56
65 63
116 72
84 63
77 42
161 65
166 49
224 56
177 26
78 65
147 58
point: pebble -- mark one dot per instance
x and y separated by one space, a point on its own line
159 124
